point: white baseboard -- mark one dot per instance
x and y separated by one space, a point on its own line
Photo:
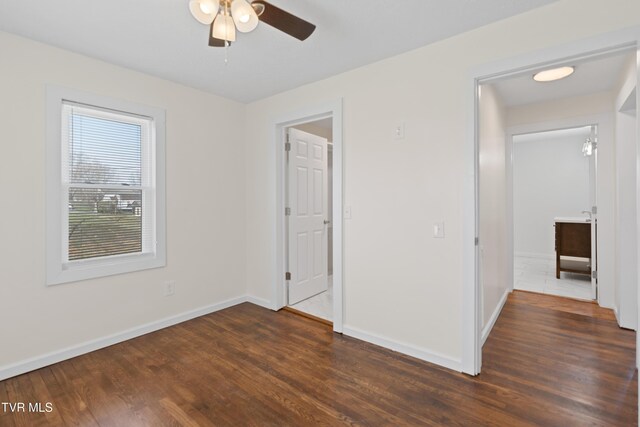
621 322
259 301
419 353
96 344
38 362
494 316
535 255
615 313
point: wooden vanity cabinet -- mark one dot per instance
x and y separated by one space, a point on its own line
573 239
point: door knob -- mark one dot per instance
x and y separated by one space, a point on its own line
326 221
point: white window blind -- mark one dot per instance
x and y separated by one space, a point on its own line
107 179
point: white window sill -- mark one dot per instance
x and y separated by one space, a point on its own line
90 269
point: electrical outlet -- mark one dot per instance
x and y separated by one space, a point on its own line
438 230
398 130
169 288
347 212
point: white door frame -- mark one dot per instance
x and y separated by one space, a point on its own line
528 62
306 115
605 123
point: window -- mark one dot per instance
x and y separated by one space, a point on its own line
105 191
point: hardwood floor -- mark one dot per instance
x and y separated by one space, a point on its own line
569 305
544 364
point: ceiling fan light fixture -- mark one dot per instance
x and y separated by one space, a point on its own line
553 74
244 16
223 28
229 16
204 11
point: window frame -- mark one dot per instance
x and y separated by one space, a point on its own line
58 269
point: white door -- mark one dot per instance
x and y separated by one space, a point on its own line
593 179
308 218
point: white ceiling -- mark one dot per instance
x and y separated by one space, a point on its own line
324 123
161 38
591 76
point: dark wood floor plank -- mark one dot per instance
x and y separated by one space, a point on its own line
73 409
42 395
548 361
569 305
6 418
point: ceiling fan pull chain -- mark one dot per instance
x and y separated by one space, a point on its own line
226 39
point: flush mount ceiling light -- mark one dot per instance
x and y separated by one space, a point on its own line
227 16
553 74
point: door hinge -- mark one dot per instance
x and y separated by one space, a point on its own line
287 146
287 211
477 241
594 209
594 275
287 276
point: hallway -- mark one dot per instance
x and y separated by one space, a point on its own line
568 358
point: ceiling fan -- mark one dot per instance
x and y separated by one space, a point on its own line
225 16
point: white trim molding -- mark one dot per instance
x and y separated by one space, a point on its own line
494 316
259 301
331 110
41 361
407 349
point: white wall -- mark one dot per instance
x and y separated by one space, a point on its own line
626 212
581 111
205 206
550 179
493 205
400 283
564 108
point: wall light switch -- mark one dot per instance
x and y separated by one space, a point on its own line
398 130
438 230
347 212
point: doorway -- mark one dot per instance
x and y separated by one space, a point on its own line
554 175
476 318
308 211
330 112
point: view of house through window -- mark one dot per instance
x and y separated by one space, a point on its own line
105 181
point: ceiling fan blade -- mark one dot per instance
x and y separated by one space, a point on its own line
284 21
214 42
